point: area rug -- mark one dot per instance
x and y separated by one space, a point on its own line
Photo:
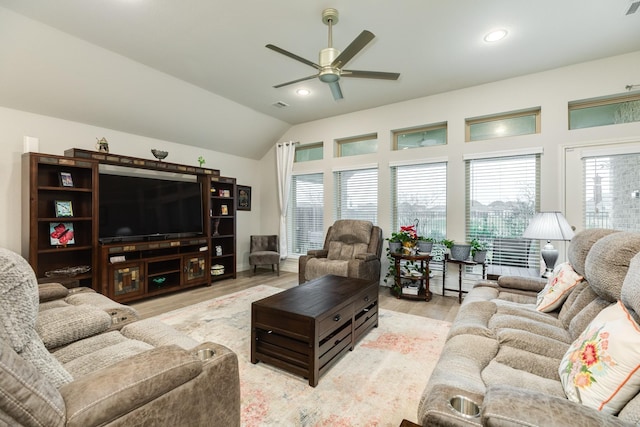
377 384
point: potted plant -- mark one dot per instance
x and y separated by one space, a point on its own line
425 244
460 251
478 251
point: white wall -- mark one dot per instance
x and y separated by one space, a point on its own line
551 90
55 136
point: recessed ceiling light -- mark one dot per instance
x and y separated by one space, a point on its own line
495 35
303 92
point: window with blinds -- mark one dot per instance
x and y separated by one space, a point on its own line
502 195
356 194
612 192
306 210
419 191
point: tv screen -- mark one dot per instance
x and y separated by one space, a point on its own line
139 208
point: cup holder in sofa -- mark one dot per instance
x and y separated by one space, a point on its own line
464 406
205 354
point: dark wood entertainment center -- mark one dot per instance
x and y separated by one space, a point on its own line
61 202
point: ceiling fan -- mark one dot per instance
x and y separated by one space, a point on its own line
332 60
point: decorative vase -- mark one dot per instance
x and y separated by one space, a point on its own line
394 247
424 246
460 252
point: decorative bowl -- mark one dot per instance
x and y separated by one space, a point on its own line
159 154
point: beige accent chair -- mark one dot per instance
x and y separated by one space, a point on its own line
69 365
352 248
265 250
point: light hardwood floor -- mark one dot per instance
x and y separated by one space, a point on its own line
441 308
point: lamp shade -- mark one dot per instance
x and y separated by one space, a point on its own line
548 226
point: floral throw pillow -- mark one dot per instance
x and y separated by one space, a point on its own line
600 369
563 279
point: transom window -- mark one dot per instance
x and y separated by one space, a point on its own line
604 111
425 136
501 125
354 146
308 152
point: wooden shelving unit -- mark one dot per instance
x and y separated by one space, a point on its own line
122 271
222 214
77 233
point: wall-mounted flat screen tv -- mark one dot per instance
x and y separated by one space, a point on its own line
135 204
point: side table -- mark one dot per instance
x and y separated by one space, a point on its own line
422 280
461 263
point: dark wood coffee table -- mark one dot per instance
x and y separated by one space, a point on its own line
306 329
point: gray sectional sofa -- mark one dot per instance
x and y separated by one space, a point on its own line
504 355
80 359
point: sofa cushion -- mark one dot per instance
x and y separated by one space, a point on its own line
345 251
562 281
581 244
351 231
317 267
600 368
51 291
60 326
608 262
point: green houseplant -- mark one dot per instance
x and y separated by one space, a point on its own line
478 251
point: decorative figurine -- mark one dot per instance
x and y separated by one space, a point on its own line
102 145
201 161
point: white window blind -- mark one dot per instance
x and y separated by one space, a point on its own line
419 191
356 194
306 209
502 195
612 192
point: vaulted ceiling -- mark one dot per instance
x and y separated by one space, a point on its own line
197 71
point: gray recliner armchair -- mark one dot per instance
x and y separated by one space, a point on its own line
352 248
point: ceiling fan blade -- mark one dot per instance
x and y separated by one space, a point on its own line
370 74
293 56
356 46
335 90
296 81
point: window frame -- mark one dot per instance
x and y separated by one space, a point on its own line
341 142
426 128
291 212
311 146
468 122
338 193
601 101
532 259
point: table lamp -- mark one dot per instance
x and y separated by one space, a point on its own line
549 226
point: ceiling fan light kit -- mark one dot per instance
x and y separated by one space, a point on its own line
332 60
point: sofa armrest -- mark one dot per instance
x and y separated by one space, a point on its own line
366 256
51 291
513 406
107 394
533 284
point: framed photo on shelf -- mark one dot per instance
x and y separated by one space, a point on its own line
224 210
61 233
66 180
243 198
64 208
